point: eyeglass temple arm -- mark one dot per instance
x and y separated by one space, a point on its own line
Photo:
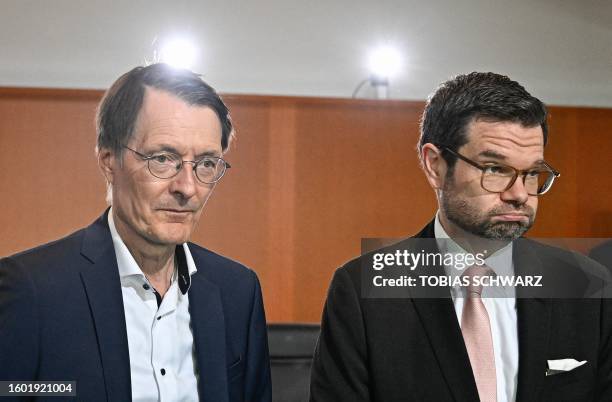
463 158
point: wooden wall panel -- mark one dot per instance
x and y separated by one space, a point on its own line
561 203
594 166
49 180
357 176
310 178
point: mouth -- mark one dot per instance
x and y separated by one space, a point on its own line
180 216
176 212
511 217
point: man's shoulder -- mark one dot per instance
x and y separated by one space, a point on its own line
354 268
365 263
602 253
565 273
67 247
556 254
48 253
53 266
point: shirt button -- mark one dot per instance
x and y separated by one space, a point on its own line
163 371
146 287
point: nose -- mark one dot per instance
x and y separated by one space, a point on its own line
184 183
517 193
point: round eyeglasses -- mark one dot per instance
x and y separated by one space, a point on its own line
166 165
497 178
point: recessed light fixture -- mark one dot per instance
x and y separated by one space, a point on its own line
178 52
384 62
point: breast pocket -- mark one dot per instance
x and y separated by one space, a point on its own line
574 385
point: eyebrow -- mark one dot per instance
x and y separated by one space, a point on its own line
207 153
171 149
492 154
496 155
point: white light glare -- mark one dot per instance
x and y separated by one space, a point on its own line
178 53
385 61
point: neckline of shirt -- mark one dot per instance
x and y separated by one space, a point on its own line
128 267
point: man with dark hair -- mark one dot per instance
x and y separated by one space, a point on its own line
127 307
482 151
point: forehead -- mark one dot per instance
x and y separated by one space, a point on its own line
510 139
166 118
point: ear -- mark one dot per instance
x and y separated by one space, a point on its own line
434 165
107 164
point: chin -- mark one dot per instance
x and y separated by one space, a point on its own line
507 231
172 233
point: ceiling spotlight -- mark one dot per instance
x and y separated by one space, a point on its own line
383 62
178 53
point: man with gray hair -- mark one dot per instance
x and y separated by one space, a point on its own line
127 308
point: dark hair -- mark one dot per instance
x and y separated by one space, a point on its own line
465 98
122 102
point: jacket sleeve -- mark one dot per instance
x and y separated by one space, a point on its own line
258 385
18 323
339 370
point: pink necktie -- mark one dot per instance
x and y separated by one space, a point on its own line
476 330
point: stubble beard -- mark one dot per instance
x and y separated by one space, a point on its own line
472 220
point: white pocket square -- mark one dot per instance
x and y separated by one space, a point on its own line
562 365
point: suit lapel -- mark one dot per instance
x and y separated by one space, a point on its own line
439 320
103 289
533 319
208 324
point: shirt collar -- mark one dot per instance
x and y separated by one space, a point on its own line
128 266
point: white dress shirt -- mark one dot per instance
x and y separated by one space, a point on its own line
160 340
501 309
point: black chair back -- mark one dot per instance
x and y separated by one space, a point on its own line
291 350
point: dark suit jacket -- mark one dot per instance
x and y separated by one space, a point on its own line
603 254
62 318
411 349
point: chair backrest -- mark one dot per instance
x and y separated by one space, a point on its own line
291 350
